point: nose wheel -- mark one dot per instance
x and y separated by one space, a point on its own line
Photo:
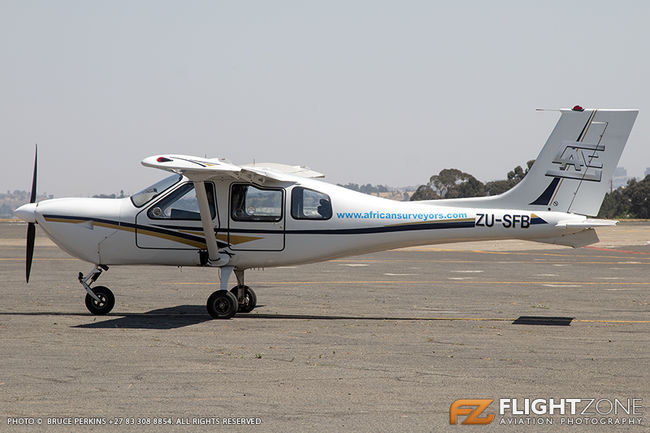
99 300
106 301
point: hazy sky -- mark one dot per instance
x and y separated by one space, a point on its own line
365 91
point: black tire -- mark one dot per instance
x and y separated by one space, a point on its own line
250 299
107 301
222 305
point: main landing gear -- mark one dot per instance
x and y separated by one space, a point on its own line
99 300
224 304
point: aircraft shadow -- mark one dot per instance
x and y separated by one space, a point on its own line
163 318
188 315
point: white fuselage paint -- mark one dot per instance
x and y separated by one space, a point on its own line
112 232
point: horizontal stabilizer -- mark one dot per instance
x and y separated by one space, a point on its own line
587 223
575 240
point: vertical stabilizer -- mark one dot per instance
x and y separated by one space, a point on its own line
573 171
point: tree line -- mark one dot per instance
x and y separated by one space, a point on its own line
629 201
453 183
366 189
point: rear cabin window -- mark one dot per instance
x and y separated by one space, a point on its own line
307 204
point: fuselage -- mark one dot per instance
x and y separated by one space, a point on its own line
275 224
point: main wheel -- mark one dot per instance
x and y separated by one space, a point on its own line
250 299
106 303
222 304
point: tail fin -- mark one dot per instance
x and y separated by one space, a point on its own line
572 172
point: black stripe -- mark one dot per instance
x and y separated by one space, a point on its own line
354 231
386 229
547 195
366 230
178 227
381 229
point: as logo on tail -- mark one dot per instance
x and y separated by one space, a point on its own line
582 157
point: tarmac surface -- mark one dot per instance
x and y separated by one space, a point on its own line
382 342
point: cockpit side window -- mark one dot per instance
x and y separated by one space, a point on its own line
307 204
182 204
143 197
250 203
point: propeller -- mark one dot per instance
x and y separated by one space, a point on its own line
31 227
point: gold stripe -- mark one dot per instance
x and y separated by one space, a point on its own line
593 116
239 239
234 239
173 238
610 321
112 226
197 244
64 220
178 239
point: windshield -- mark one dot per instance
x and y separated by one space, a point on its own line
150 192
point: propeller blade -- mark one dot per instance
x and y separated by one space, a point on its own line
31 227
33 196
31 235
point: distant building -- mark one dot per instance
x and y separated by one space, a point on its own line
14 199
620 177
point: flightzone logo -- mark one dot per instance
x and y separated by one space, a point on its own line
471 409
543 411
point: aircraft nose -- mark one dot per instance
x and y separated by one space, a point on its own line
27 212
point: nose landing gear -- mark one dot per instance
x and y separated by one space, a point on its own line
99 300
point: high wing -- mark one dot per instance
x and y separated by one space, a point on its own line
200 169
293 170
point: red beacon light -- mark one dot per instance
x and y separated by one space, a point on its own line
163 159
578 108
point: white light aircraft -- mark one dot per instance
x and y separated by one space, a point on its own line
211 212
